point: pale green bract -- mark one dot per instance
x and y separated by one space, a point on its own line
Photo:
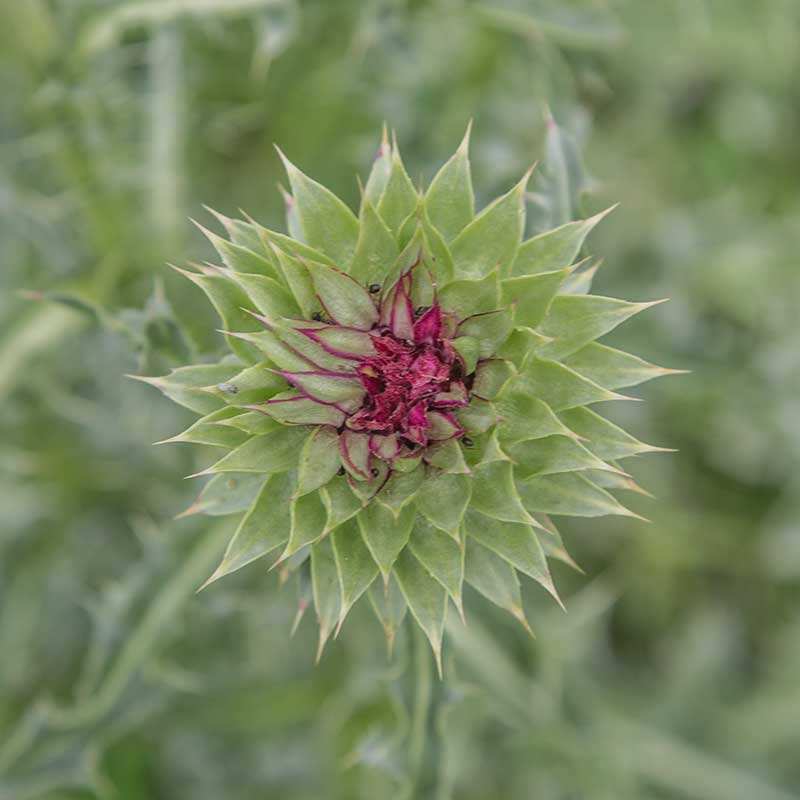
381 516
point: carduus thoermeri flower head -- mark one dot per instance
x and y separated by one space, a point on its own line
408 394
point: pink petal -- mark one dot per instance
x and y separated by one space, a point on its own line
428 328
397 310
417 416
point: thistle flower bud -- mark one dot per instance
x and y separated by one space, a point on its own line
410 394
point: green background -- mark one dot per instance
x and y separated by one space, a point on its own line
675 672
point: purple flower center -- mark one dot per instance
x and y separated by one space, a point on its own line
409 389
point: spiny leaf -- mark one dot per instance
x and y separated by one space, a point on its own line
575 320
553 454
523 416
280 242
229 301
495 494
245 234
384 535
343 298
390 608
357 569
437 253
491 329
494 578
185 385
467 297
225 494
521 346
264 528
275 451
470 351
400 490
308 517
251 385
292 216
441 555
491 240
297 278
326 589
426 599
399 197
443 499
569 493
319 460
239 258
376 248
267 295
553 544
327 223
342 390
603 438
491 376
516 543
379 174
293 408
478 416
447 456
555 248
562 388
206 431
340 502
614 369
270 345
450 201
251 422
531 295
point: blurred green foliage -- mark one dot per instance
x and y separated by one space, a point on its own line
675 672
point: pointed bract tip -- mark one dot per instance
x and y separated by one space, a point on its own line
600 215
458 602
632 486
209 471
437 655
519 615
651 303
547 584
185 272
193 509
323 640
223 220
209 234
302 605
618 396
146 379
169 440
215 576
626 512
464 146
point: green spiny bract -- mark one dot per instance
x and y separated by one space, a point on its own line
407 398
